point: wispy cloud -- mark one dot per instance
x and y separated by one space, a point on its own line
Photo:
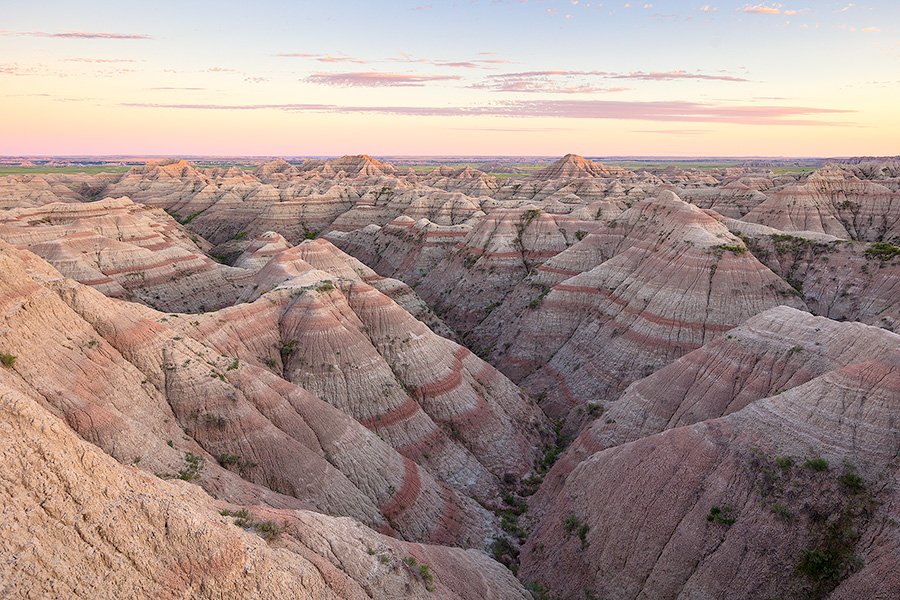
376 79
515 129
675 131
88 35
871 30
424 7
661 111
325 58
101 60
846 8
676 74
775 9
545 87
16 69
573 82
463 64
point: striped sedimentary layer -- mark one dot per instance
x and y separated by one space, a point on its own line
352 345
133 382
126 532
833 202
677 279
793 492
125 250
766 355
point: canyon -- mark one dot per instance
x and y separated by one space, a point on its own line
345 378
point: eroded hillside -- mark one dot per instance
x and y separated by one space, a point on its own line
346 379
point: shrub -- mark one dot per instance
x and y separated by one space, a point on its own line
781 509
269 530
288 348
722 515
820 564
720 249
852 481
582 534
594 409
816 464
785 462
8 360
193 464
882 251
571 523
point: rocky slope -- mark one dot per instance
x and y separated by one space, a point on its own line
324 416
125 380
129 533
795 494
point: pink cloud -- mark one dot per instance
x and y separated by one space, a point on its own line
634 75
340 59
15 69
659 111
675 131
326 58
672 75
81 35
761 9
536 86
101 60
375 79
464 64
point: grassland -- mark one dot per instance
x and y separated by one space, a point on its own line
38 170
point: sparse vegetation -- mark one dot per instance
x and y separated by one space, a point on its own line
816 464
721 515
288 348
571 523
268 530
8 360
720 249
193 464
882 251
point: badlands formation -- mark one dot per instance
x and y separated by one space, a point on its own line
344 379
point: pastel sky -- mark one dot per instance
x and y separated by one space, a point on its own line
471 77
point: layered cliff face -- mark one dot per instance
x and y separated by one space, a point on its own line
668 278
834 202
794 492
334 408
126 250
126 532
766 355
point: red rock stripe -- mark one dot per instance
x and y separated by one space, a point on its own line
408 493
154 265
393 416
448 383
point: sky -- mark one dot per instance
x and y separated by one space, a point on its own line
470 77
